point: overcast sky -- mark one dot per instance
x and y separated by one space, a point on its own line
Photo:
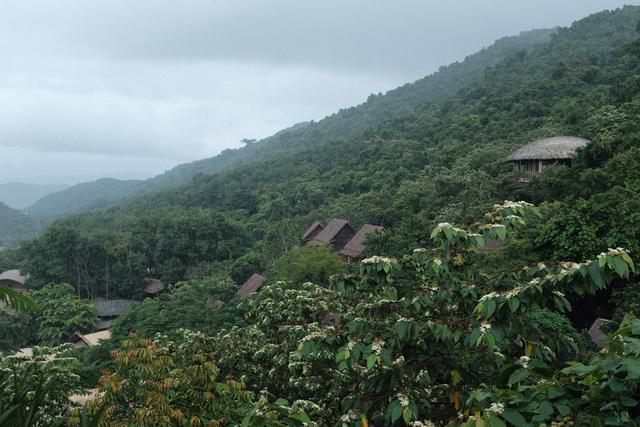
134 87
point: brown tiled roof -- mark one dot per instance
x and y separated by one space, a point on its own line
328 234
311 229
114 307
355 247
253 284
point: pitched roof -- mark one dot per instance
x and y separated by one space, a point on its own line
92 339
14 276
328 234
355 247
152 286
114 307
557 147
311 229
253 284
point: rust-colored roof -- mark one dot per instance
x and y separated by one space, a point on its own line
355 248
152 286
253 284
311 229
329 233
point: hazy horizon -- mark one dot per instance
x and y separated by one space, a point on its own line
117 89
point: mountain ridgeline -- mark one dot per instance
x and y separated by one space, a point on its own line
377 109
440 161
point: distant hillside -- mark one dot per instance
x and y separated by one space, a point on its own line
14 227
377 109
85 197
20 195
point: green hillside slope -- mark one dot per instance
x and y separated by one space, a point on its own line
14 227
377 108
440 162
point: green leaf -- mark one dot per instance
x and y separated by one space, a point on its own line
518 375
545 409
501 232
514 417
407 415
491 308
493 421
396 411
514 303
371 360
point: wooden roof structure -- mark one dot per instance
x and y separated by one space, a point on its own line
152 286
554 148
329 234
90 340
252 285
113 307
312 231
355 248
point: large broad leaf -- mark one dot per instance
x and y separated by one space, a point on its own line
514 417
518 375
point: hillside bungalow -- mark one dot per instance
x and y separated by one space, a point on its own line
535 156
90 340
252 285
312 231
152 286
355 248
337 233
14 279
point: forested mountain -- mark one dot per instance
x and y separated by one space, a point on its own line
376 109
14 227
20 195
324 343
442 161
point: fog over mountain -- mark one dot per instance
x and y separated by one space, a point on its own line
102 88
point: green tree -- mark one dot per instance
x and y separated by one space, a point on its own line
61 313
310 264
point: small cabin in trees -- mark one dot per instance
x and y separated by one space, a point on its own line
337 234
252 285
14 279
535 156
354 250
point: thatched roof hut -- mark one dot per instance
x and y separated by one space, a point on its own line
312 231
90 340
355 248
113 307
253 284
337 233
540 153
152 286
14 279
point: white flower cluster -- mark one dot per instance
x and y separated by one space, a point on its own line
403 399
426 423
489 296
315 335
379 260
508 204
377 346
496 408
524 361
349 417
485 328
420 250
